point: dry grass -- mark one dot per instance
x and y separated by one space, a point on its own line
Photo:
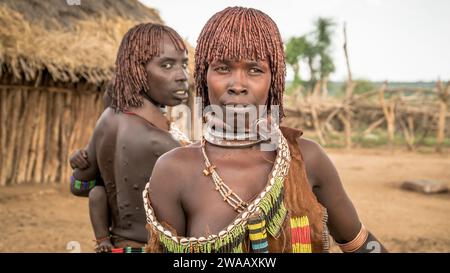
82 47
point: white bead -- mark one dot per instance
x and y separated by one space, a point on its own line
184 241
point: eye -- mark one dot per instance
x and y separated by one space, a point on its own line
222 69
255 70
167 66
184 65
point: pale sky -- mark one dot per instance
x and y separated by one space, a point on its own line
395 40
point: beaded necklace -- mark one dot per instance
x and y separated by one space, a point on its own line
268 205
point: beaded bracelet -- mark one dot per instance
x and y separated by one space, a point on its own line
82 185
98 241
128 250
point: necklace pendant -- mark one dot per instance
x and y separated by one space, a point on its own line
208 170
243 204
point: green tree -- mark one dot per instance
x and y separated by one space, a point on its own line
295 50
311 53
323 33
314 50
300 49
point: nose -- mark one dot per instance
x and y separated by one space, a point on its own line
237 85
182 75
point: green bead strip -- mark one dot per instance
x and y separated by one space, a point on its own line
275 221
231 242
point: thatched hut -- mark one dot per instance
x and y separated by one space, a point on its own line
55 61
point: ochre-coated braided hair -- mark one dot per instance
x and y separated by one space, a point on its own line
237 33
139 45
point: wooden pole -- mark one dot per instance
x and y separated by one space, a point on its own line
42 128
316 122
3 133
389 113
408 131
373 126
14 125
34 139
346 118
347 61
443 95
55 143
65 136
30 103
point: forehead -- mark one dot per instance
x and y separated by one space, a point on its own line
243 61
237 49
167 49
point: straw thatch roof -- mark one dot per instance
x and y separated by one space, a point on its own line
71 43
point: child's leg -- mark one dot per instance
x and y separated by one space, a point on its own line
99 214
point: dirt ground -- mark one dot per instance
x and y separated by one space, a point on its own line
42 218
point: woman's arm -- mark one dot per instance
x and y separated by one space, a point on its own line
343 220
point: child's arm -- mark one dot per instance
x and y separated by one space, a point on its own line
343 220
85 174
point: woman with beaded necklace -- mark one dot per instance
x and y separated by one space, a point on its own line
229 192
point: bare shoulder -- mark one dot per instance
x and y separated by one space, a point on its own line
174 166
102 129
319 167
311 150
106 121
178 158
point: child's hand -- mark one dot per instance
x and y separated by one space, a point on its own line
104 246
79 160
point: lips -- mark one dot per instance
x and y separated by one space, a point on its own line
181 94
236 108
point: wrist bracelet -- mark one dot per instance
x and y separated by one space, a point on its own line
357 242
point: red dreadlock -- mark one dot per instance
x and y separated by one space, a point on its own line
138 46
241 33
